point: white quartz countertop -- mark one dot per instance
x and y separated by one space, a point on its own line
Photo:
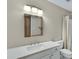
15 53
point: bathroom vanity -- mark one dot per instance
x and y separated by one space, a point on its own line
47 54
45 50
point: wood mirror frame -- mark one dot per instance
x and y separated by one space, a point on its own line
27 26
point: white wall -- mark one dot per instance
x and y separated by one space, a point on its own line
52 22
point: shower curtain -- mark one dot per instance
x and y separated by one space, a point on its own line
67 32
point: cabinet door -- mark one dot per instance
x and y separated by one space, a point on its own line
36 56
45 57
55 56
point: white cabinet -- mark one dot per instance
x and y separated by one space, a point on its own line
47 54
34 56
56 55
45 57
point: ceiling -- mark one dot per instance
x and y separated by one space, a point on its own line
63 4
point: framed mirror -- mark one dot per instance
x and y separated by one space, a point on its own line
33 26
